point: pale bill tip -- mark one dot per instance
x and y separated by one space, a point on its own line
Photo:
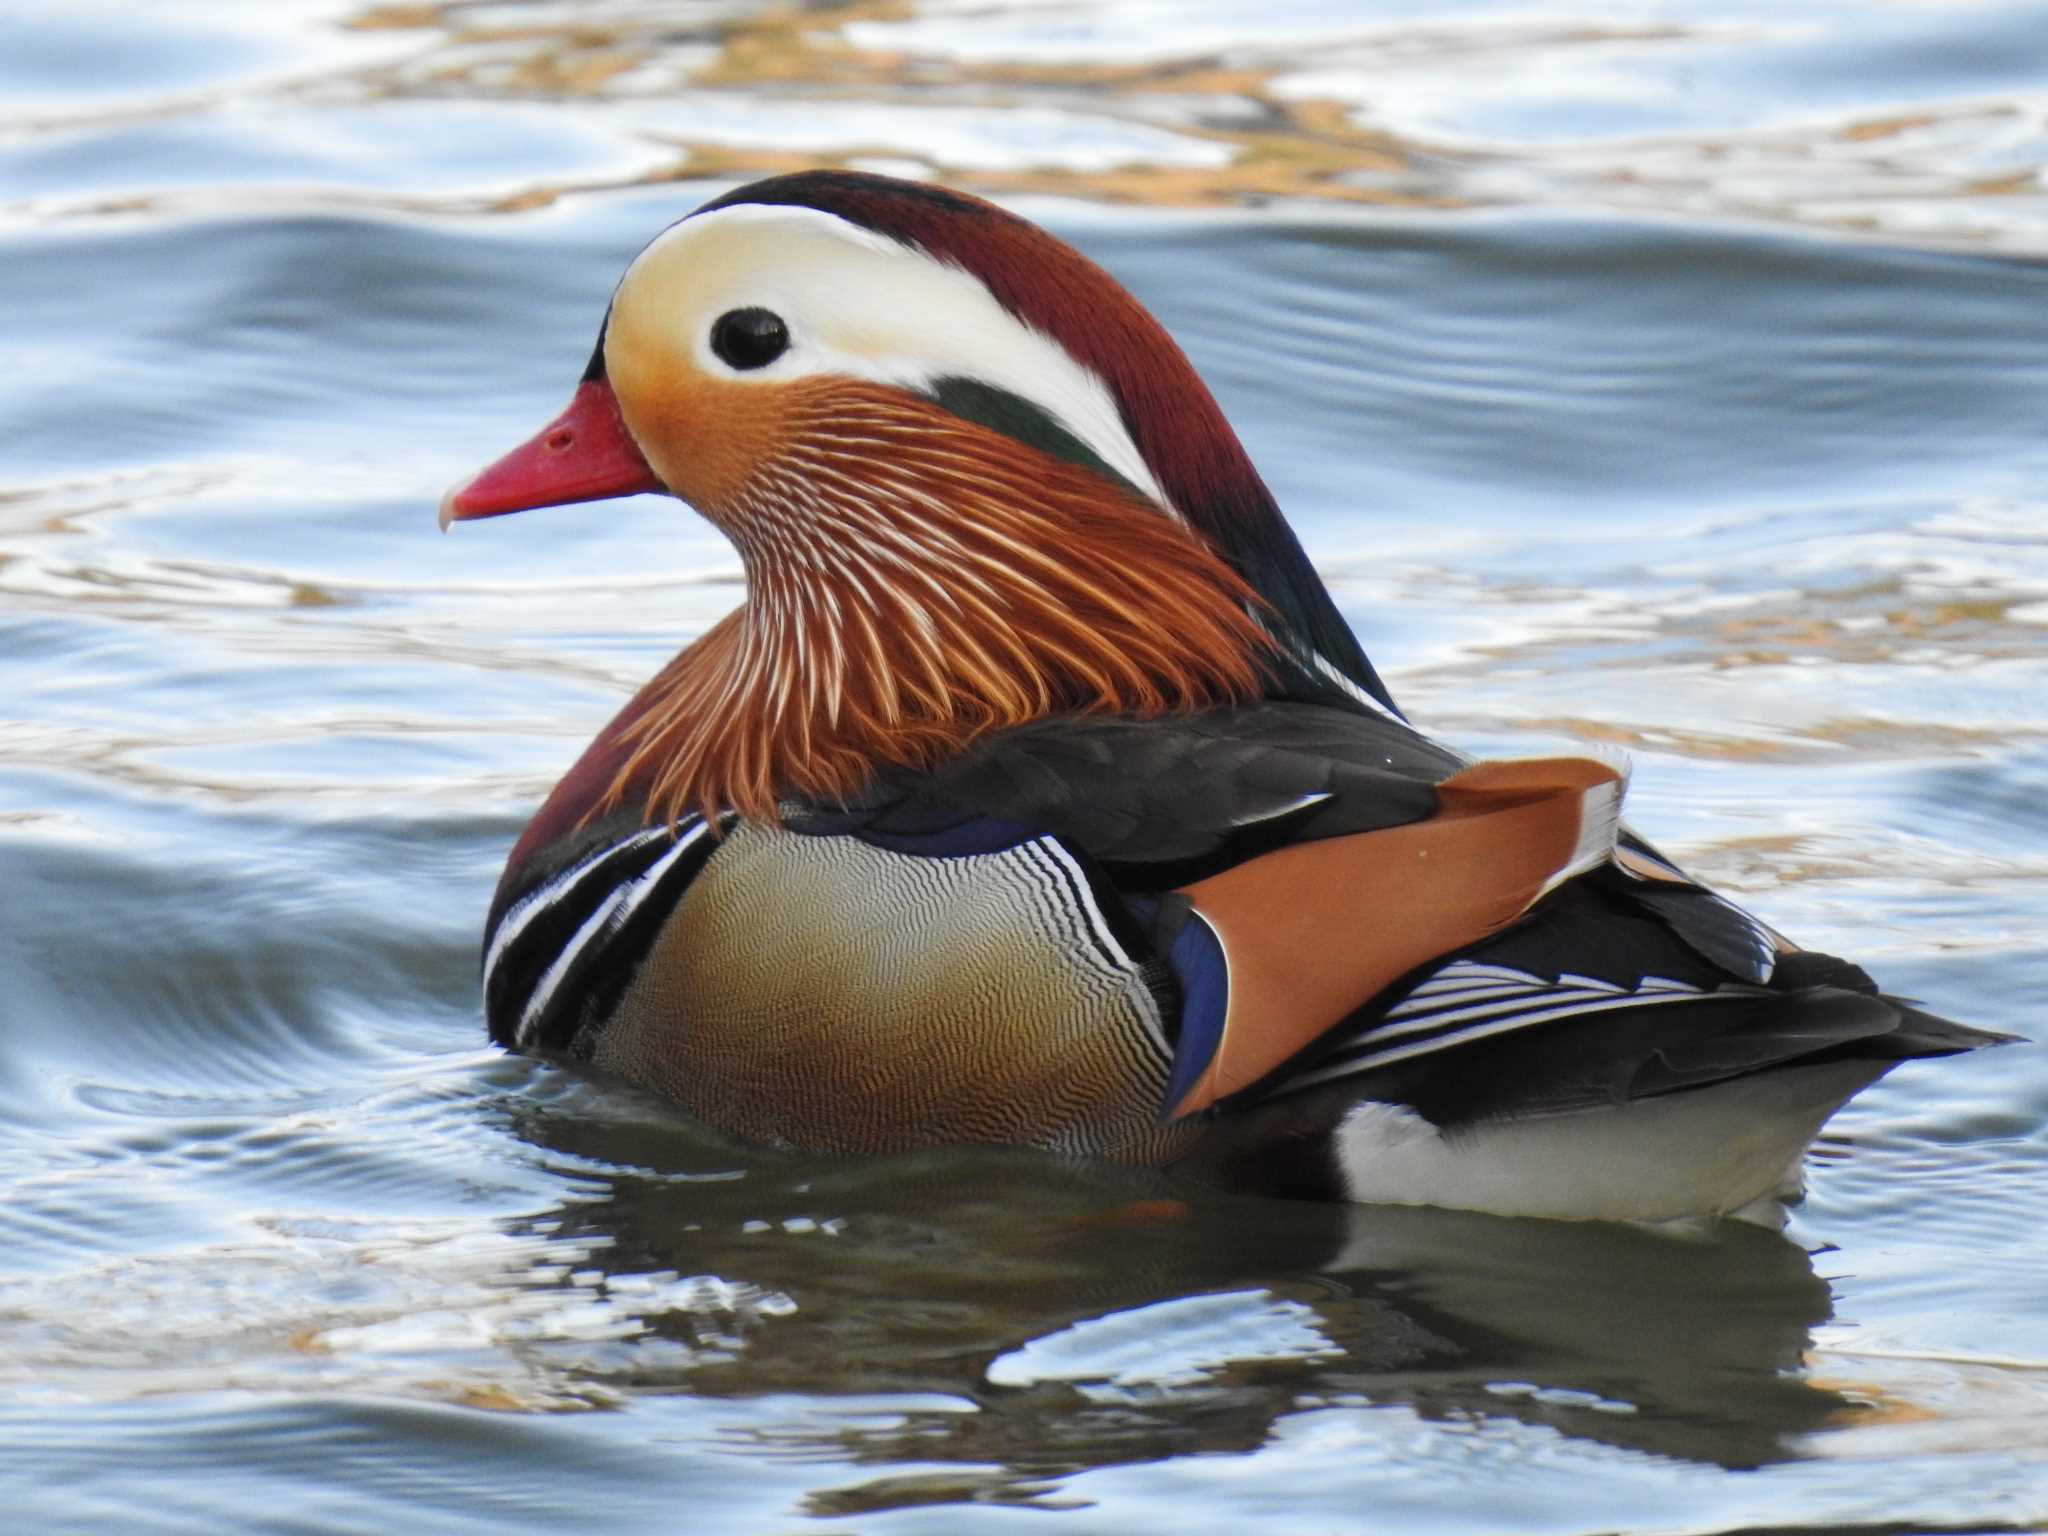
448 513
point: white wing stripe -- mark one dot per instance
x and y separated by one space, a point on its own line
1459 970
1428 997
1464 981
1492 1009
1374 1059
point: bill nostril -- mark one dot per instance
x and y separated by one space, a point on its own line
558 440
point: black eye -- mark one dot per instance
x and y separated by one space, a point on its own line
749 338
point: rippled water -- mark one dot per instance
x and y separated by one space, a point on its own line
1667 375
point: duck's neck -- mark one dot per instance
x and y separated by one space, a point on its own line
909 590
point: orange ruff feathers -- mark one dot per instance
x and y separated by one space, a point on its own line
916 581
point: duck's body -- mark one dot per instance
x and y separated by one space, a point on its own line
1039 795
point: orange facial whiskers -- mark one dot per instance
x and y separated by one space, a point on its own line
914 581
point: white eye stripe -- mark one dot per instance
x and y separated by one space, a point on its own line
861 305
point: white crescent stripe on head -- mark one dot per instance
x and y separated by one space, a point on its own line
862 305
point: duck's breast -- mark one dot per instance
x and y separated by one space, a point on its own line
824 993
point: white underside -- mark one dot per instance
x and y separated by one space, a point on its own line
1733 1148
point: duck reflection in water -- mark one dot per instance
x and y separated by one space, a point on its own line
1009 1309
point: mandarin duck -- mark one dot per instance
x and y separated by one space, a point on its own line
1039 794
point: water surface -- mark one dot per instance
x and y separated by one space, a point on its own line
1669 376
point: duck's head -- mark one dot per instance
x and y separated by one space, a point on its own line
949 449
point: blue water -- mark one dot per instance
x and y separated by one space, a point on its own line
1665 376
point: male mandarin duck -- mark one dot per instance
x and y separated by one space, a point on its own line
1038 793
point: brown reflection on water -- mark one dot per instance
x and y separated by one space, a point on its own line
1259 99
1238 118
1275 147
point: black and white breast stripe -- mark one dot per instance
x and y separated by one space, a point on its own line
594 872
1062 867
1469 1000
1083 895
539 960
561 954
